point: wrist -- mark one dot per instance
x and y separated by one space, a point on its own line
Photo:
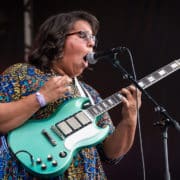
131 123
40 98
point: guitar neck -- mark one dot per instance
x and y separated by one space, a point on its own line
159 74
144 83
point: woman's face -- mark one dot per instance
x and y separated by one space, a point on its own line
78 43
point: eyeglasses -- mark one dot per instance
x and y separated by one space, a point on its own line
84 35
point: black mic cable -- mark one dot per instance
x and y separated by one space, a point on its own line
138 117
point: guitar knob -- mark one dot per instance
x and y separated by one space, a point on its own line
62 154
54 163
49 157
43 166
38 161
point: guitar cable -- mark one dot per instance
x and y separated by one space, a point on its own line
30 155
138 117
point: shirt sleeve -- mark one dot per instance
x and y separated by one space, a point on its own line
9 88
20 80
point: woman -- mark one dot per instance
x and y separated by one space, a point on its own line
59 49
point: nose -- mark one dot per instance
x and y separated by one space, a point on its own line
91 42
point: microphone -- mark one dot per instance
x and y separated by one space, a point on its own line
93 57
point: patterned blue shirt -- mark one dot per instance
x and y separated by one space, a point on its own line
21 80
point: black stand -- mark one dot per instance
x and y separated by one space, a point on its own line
167 119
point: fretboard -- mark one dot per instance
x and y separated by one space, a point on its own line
144 83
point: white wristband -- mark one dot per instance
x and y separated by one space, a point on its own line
40 98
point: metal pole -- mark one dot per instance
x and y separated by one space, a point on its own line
28 26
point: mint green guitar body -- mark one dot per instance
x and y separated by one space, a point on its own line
46 147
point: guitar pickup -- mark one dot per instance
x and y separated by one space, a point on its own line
57 132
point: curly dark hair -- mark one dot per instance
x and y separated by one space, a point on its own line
49 42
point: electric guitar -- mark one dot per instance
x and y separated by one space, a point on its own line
46 147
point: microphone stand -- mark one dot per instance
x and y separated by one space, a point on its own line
164 123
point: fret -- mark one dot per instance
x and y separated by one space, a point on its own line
110 103
100 107
118 96
161 72
151 78
144 83
105 104
168 69
174 65
141 83
109 100
95 110
114 98
91 112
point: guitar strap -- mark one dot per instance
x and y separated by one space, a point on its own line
83 91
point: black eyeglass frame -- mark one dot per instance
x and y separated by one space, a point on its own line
84 35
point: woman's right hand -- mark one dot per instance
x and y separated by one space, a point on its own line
55 88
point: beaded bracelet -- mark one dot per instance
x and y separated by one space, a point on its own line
40 98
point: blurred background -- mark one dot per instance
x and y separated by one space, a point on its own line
150 30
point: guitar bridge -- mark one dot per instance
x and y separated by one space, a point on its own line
48 137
